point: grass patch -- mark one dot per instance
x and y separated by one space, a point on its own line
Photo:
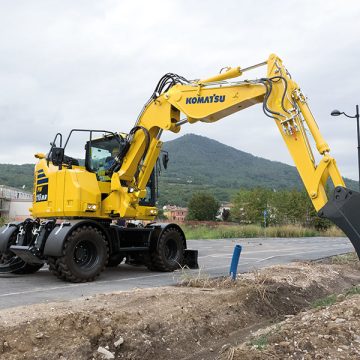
252 231
333 231
345 259
198 279
260 342
332 299
353 291
327 301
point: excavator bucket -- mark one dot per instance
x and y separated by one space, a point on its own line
343 209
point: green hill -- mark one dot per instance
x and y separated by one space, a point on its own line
198 163
205 161
17 175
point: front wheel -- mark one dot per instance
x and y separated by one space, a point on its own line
85 255
169 253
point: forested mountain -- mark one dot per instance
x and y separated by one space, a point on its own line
197 163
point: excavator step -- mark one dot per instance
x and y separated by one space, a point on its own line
343 209
26 254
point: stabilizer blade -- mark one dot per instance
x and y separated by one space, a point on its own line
15 263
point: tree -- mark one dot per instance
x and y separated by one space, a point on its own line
202 206
282 207
161 215
249 205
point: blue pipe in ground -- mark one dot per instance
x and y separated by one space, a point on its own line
235 261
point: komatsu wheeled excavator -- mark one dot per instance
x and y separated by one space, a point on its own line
75 204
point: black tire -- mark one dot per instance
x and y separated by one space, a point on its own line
169 253
85 255
54 268
114 260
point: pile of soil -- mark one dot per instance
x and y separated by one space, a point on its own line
199 319
331 332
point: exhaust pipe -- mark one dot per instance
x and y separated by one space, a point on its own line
343 209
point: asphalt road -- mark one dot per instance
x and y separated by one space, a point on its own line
214 259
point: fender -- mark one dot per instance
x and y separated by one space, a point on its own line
6 232
55 241
160 228
190 256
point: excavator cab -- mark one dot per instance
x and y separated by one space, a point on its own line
104 154
97 150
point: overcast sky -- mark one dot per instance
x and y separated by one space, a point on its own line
93 64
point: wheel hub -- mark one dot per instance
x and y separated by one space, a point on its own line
85 254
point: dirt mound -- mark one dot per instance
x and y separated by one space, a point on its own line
327 333
202 319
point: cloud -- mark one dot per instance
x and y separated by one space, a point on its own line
93 64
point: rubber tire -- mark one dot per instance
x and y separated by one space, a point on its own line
67 267
114 260
160 259
54 267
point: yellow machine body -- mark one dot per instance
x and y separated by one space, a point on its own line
76 193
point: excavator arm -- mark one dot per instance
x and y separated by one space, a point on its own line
212 99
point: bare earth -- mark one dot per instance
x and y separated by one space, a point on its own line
267 314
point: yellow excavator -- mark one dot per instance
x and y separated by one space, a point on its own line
77 207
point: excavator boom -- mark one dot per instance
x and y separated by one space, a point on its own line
214 98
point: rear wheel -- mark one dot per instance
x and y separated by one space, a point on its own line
85 255
169 253
54 268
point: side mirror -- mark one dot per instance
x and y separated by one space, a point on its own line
57 156
165 160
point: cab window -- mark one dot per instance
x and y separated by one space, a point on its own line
101 156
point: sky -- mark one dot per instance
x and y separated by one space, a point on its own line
93 64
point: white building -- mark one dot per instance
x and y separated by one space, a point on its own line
14 203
